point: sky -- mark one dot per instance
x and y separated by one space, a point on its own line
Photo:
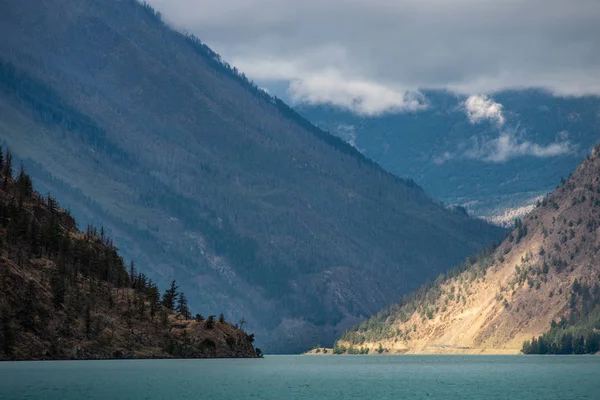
377 56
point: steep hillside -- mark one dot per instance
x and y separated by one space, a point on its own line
547 269
460 162
204 178
66 294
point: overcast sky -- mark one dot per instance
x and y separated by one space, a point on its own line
374 56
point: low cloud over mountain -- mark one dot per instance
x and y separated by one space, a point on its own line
373 57
508 144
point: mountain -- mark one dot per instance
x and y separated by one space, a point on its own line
496 166
66 294
202 177
543 279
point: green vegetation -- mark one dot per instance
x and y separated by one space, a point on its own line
577 334
350 350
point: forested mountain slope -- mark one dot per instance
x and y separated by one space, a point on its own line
204 178
485 167
544 277
66 294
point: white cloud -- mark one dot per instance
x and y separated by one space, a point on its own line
480 108
348 133
446 156
375 52
563 135
508 146
326 85
362 97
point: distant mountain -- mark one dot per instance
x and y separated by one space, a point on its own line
542 280
493 157
204 178
66 294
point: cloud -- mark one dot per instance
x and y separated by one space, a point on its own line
328 85
508 146
446 156
373 56
362 97
480 108
505 147
348 133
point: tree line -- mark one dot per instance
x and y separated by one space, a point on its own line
579 332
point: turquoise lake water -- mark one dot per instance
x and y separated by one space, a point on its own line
309 377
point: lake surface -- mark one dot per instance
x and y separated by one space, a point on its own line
309 377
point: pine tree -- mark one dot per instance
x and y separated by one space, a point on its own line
52 234
132 274
30 306
88 321
154 298
24 184
8 171
182 307
141 302
57 284
52 204
7 333
221 318
592 343
579 345
168 300
566 344
210 322
141 283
